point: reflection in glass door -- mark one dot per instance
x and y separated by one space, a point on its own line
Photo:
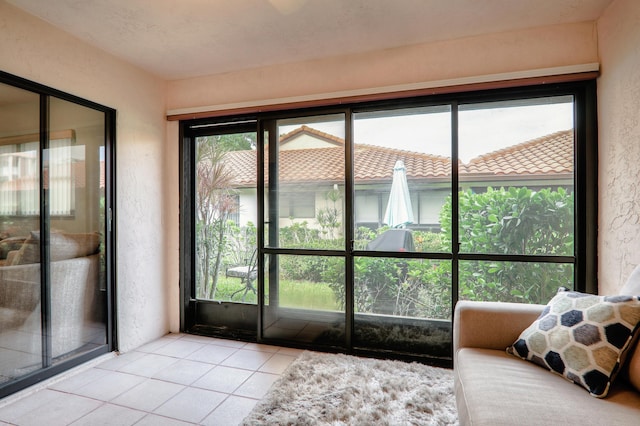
75 193
20 295
54 235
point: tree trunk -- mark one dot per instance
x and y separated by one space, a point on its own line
218 261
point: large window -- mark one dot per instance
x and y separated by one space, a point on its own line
376 218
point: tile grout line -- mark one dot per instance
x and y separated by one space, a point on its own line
47 383
153 348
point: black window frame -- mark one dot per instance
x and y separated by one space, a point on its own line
585 182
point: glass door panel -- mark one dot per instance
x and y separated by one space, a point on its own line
305 189
307 305
307 194
516 198
402 177
20 271
75 190
402 182
226 209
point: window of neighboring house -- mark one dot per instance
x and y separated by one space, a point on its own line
234 214
427 208
298 205
368 209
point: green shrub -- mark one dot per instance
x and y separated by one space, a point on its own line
513 221
500 221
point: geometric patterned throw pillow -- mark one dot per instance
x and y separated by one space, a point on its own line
582 337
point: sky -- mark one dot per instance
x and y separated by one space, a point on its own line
480 130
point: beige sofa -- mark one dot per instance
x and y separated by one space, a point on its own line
495 388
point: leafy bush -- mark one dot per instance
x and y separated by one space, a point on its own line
513 221
504 221
501 221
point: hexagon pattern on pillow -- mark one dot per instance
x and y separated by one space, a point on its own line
582 337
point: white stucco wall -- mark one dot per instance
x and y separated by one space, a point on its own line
34 50
619 144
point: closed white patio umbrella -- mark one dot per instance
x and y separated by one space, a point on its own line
399 209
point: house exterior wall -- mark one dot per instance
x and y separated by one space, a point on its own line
248 200
32 49
619 144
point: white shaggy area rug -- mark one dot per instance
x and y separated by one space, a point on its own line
336 389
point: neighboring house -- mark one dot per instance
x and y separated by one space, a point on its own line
312 163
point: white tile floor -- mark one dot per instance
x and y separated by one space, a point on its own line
178 379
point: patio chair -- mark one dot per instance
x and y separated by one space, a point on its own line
247 274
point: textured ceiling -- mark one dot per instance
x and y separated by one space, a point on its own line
177 39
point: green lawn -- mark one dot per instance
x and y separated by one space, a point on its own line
293 294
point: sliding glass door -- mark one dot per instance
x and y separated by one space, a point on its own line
305 293
55 230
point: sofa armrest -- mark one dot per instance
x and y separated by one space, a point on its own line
491 325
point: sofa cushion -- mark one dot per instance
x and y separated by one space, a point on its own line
582 337
632 287
496 389
633 367
62 246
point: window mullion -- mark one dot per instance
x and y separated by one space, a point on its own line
349 223
455 229
45 276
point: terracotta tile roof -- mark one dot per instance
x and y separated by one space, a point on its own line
243 167
288 137
312 165
372 164
548 155
376 163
